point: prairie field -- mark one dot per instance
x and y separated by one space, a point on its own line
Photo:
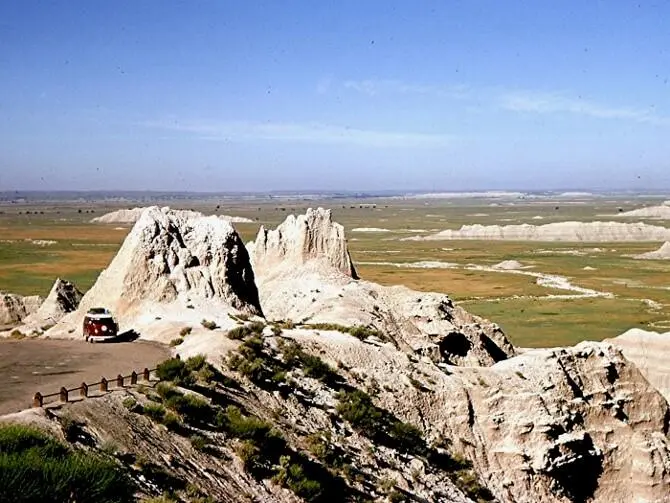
39 242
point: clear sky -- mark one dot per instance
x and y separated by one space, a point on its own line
359 95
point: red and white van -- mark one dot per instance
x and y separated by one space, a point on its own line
100 325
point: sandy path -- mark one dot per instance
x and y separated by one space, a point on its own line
31 365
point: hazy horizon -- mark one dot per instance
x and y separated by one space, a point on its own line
364 97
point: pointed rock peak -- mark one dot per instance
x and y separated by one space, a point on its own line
172 255
301 239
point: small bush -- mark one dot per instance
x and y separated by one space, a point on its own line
244 427
176 342
132 405
292 475
174 370
185 331
155 411
171 421
249 453
209 325
357 408
257 327
194 409
238 333
198 442
408 436
195 363
17 334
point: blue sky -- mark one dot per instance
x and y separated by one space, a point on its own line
357 95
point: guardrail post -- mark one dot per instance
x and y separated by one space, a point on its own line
147 374
119 381
133 378
83 391
103 385
38 401
63 394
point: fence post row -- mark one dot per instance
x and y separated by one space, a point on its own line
63 394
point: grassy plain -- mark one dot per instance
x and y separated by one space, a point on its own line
515 301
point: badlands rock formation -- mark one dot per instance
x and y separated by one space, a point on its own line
63 298
557 231
172 266
649 352
663 253
304 273
133 215
548 425
14 308
657 212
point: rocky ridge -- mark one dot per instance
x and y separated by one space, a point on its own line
131 216
14 308
593 232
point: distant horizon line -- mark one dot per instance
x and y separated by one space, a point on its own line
333 192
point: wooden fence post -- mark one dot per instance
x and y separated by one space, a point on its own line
119 381
147 374
83 391
38 401
63 394
103 385
133 378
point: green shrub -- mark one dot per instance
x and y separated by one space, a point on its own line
167 390
174 370
198 442
292 475
238 333
244 427
195 363
209 325
249 453
185 331
192 408
35 467
357 408
176 342
257 327
408 437
132 405
171 421
312 365
155 411
17 334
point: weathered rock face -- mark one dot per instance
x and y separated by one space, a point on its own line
650 352
563 425
305 274
299 240
14 308
174 261
63 298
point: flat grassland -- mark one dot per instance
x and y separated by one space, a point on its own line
633 293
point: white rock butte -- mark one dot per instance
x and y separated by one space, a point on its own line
63 298
14 308
663 253
169 257
557 231
304 273
133 215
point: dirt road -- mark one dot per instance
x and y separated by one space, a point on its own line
31 365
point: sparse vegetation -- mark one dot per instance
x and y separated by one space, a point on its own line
185 331
360 332
209 325
17 334
176 342
36 467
